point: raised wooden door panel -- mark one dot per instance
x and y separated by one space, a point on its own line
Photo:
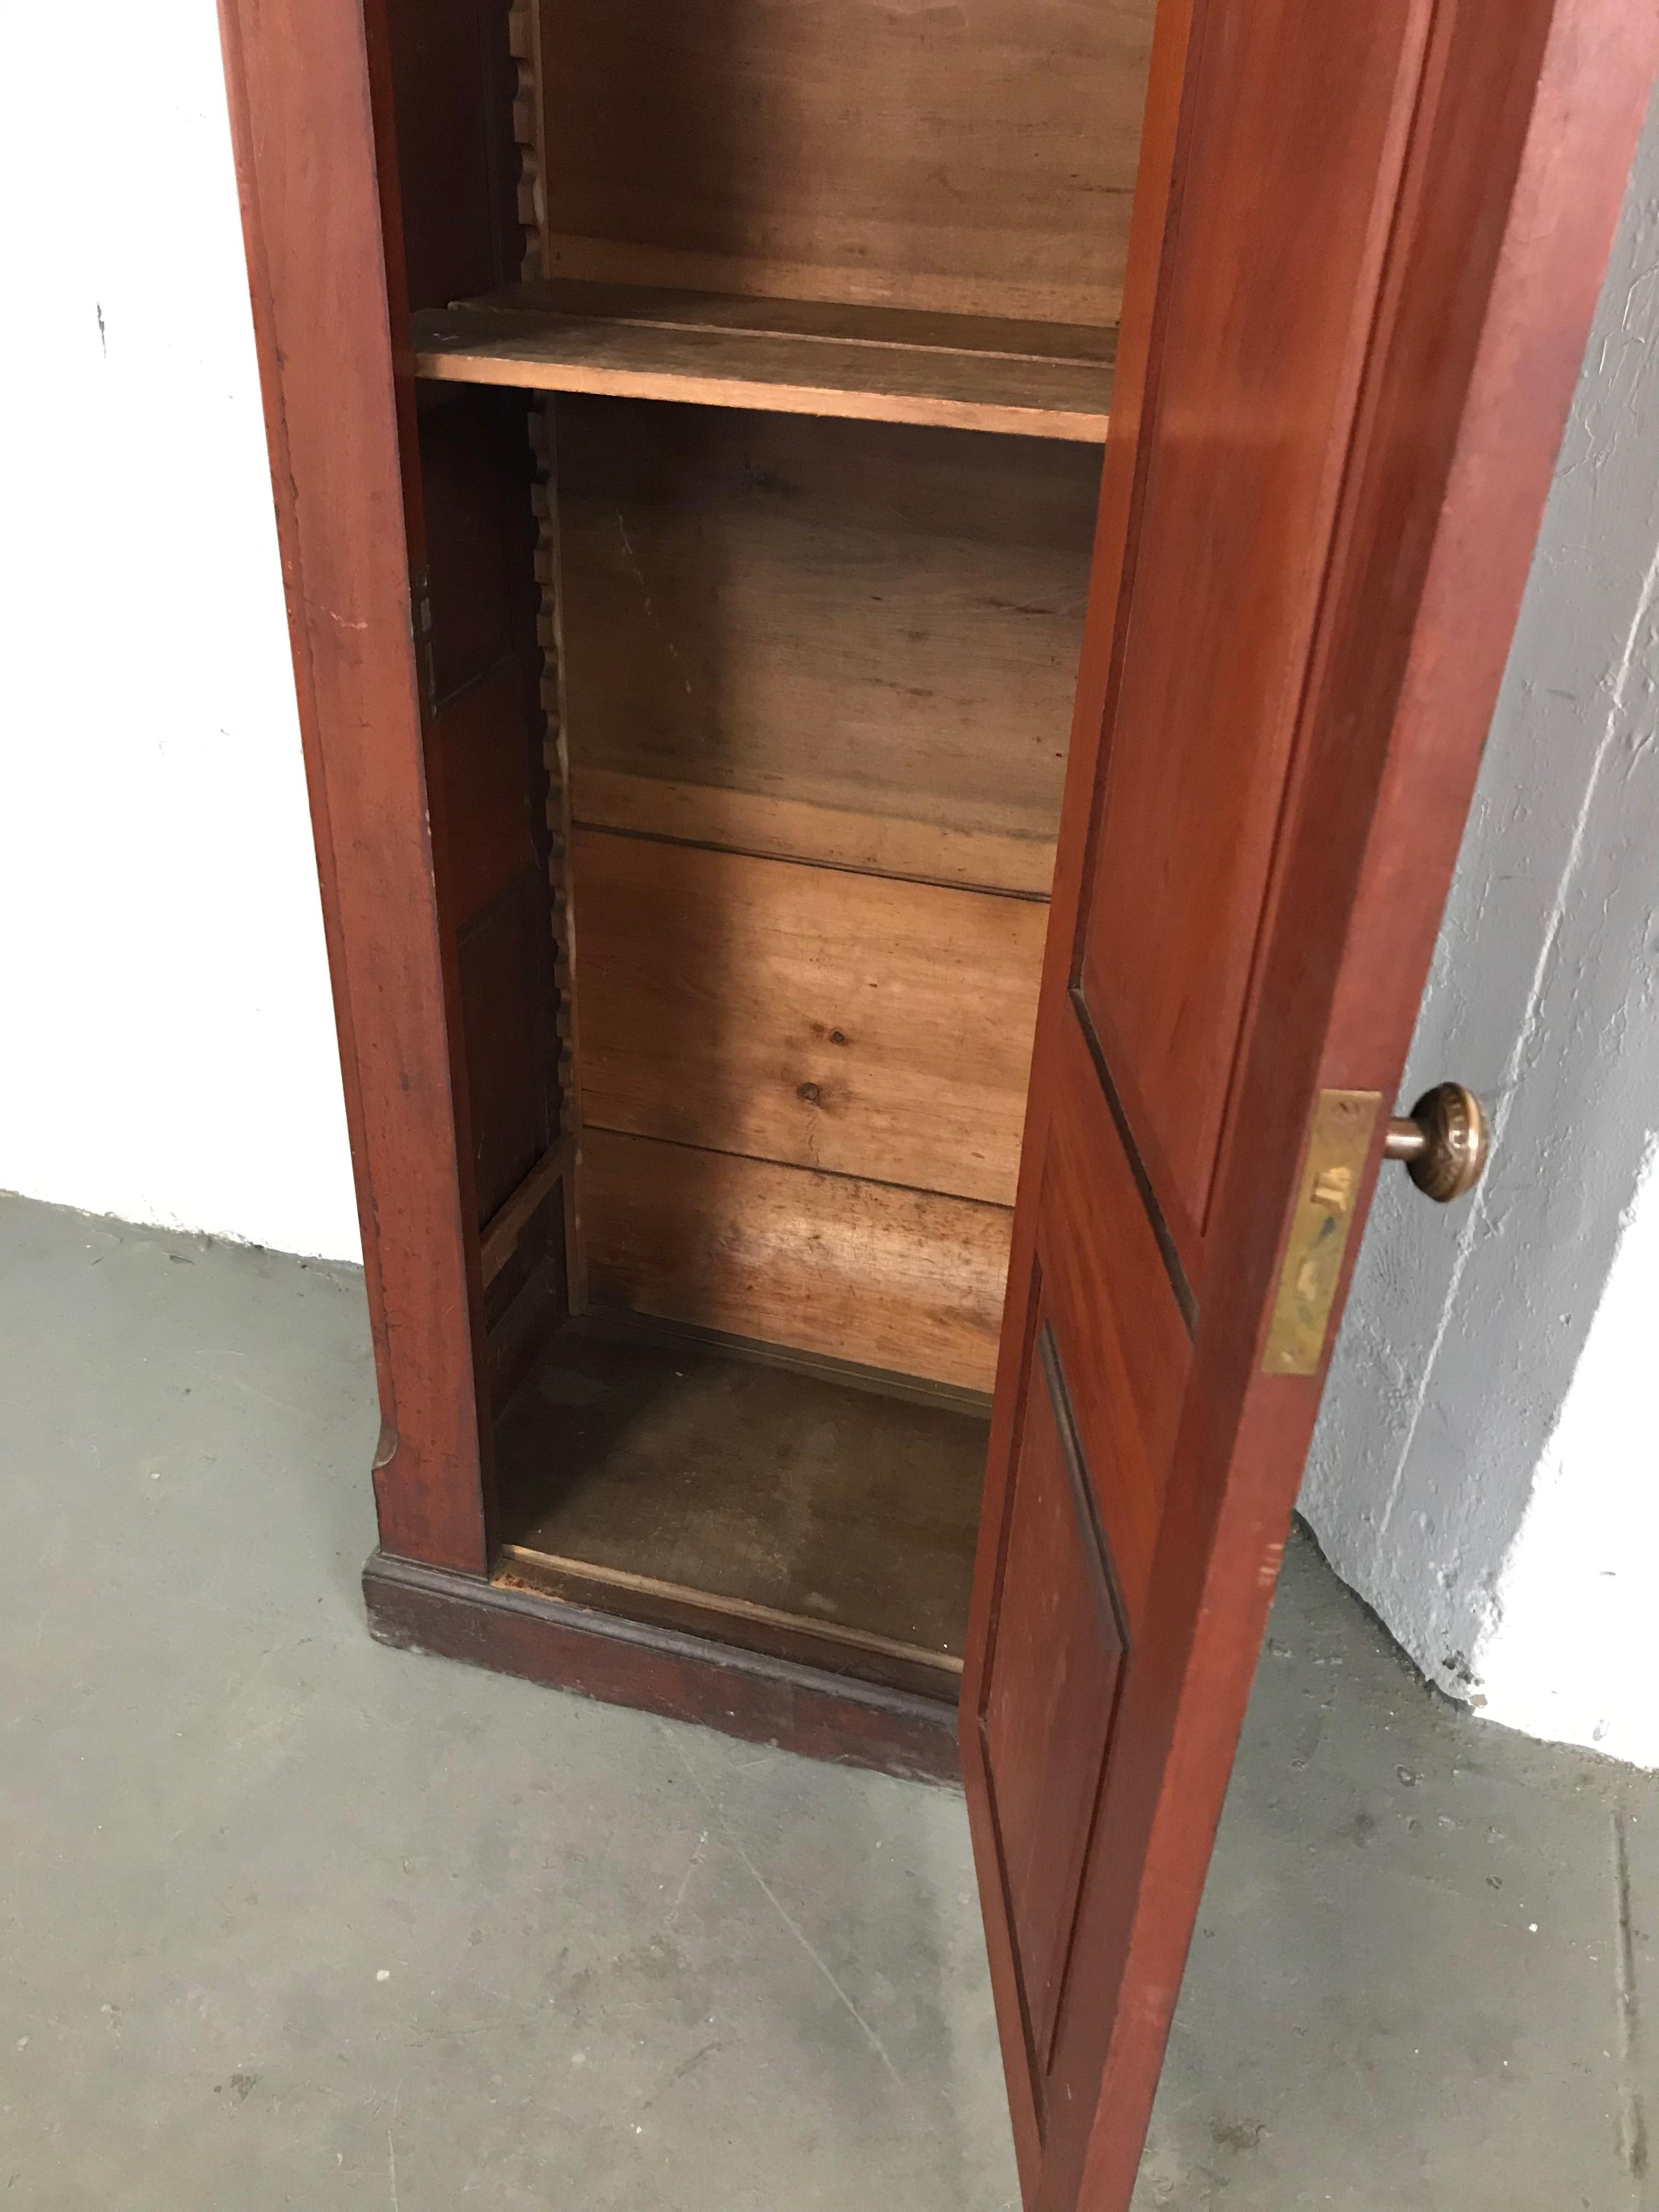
1059 1639
1366 248
1109 1288
1299 118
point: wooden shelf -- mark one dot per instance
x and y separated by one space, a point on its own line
787 357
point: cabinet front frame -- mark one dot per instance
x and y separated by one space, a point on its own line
311 99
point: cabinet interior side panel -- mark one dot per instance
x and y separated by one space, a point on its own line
976 159
454 84
496 860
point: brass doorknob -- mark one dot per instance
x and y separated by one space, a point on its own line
1443 1143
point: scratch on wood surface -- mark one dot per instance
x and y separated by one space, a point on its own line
632 560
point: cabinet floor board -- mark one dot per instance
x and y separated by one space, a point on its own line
825 1519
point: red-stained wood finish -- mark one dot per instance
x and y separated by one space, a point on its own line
1050 1700
304 121
444 82
760 1697
1366 247
410 552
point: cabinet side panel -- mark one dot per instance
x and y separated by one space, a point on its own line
304 122
459 71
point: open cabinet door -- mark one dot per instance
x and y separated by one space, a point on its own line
1368 240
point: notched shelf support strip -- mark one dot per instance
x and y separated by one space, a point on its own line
523 32
556 756
558 1165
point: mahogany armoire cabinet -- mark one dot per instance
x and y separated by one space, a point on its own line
895 603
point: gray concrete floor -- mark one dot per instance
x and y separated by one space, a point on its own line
289 1920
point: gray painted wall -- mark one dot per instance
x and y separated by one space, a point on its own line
1467 1325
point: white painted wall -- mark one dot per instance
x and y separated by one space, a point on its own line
1574 1650
1486 1466
168 1041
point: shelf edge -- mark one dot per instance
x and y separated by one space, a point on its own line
1072 426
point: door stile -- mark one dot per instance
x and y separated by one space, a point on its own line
1122 484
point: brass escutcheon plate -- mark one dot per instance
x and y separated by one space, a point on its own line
1340 1140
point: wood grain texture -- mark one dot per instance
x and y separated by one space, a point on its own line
811 358
977 159
893 1279
488 749
1058 1662
1515 125
1265 349
507 1225
304 127
696 1610
799 1014
838 322
875 620
527 1303
773 826
473 500
453 81
771 1488
512 1051
814 1711
493 848
1106 1292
